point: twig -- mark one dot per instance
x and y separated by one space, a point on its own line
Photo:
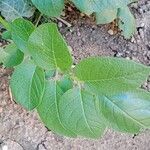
38 20
64 22
10 94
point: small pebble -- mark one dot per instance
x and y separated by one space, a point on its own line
111 32
128 58
133 40
78 34
142 24
4 147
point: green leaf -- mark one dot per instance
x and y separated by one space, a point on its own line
52 8
12 9
79 112
65 83
14 56
127 22
48 109
110 75
27 85
6 35
21 30
3 55
127 111
106 16
90 6
48 48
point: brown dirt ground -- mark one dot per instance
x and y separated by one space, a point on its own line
22 130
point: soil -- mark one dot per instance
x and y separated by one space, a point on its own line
23 130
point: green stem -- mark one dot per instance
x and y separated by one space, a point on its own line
4 23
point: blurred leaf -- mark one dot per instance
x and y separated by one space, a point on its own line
12 9
52 8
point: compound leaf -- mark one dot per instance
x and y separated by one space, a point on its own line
21 30
110 75
127 111
12 9
52 8
48 109
27 84
79 112
48 48
13 56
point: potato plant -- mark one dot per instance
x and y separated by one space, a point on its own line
105 10
83 100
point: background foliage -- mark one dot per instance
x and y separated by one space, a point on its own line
105 11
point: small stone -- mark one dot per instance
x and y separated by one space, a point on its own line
41 147
78 33
111 32
70 9
82 14
135 59
60 24
118 54
128 58
141 33
133 40
91 39
5 147
142 24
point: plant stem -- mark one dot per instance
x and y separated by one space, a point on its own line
38 20
4 23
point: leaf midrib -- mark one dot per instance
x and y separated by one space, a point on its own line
86 121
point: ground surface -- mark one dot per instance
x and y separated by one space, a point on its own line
22 130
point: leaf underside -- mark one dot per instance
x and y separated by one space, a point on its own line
13 9
52 8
